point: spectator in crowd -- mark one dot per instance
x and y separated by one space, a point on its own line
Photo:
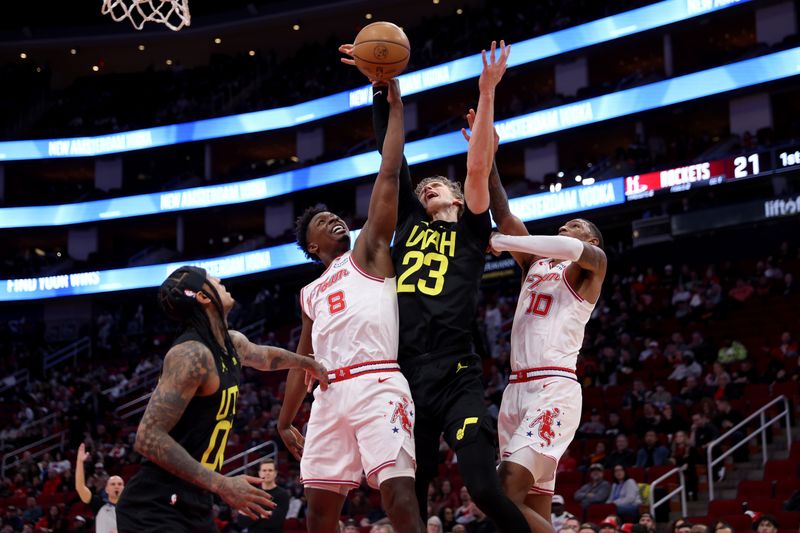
652 453
723 527
593 427
573 523
446 497
351 526
598 456
731 351
32 511
596 490
766 523
274 523
702 431
742 291
660 397
448 518
559 515
588 527
434 525
650 420
465 513
699 528
787 348
622 454
636 396
646 520
713 378
105 513
624 493
671 422
614 427
687 367
609 525
683 453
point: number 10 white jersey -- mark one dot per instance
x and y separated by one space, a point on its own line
550 319
355 315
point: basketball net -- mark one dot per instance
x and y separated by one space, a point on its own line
174 14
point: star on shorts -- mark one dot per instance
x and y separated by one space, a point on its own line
530 433
395 430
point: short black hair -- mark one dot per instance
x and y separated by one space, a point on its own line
267 461
301 228
595 231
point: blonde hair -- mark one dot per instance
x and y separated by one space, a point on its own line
454 186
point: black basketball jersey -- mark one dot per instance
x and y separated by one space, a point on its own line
439 267
204 427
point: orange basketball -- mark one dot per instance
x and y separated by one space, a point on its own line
381 50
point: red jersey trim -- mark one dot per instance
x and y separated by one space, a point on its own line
573 291
362 272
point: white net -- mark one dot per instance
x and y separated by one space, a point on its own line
174 14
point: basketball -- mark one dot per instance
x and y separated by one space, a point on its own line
381 50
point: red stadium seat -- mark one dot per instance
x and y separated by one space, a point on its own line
636 473
569 478
785 488
655 472
780 469
765 505
790 389
750 488
706 520
788 519
724 507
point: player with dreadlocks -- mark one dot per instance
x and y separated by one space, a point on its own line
185 427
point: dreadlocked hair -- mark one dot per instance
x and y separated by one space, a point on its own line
301 228
177 297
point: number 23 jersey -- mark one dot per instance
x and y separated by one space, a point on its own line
439 266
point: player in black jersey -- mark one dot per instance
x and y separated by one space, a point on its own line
439 254
189 416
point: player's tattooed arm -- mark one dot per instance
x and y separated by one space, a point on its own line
186 368
273 358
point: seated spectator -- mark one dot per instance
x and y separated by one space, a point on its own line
588 527
727 418
712 378
691 392
660 397
609 525
434 525
650 420
624 493
559 515
646 520
599 454
465 513
445 498
731 351
699 528
725 389
448 517
723 527
636 396
615 426
742 291
702 431
746 374
652 453
686 368
671 422
622 455
786 348
595 491
766 523
592 427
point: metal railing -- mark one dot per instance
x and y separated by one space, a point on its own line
20 377
764 424
245 455
254 330
681 489
145 381
133 407
48 444
72 351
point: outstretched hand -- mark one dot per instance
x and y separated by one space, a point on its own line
470 116
240 494
83 455
393 96
494 67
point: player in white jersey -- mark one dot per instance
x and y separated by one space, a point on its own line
364 422
541 407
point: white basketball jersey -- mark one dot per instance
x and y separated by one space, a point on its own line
355 315
550 319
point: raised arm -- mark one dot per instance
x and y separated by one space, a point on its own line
186 368
380 122
272 358
480 154
382 218
587 256
294 395
80 475
506 221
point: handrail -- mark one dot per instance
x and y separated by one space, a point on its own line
140 403
72 351
246 453
681 488
15 379
140 381
256 327
13 457
762 428
28 426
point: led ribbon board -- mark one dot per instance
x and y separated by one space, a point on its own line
630 101
533 207
577 37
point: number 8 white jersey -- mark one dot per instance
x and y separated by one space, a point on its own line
550 319
355 315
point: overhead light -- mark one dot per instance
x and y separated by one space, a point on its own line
436 2
217 40
294 159
296 27
95 68
251 53
560 174
168 62
459 11
141 48
588 181
39 252
578 177
72 51
23 55
368 16
58 254
38 69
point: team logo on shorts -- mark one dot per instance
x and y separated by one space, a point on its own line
402 416
545 421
